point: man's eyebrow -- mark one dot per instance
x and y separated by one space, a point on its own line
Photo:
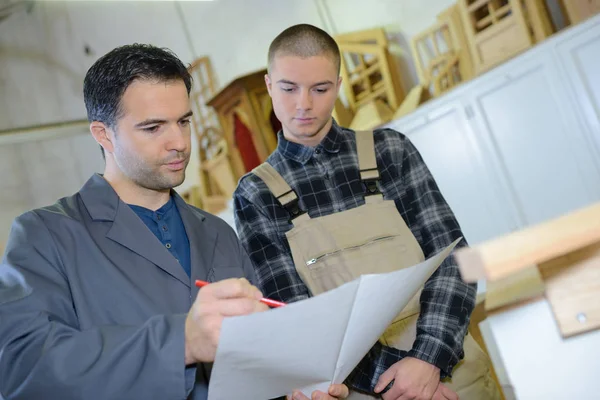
156 121
186 115
323 83
151 121
328 82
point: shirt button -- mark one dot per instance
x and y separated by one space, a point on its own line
318 151
165 228
158 217
168 245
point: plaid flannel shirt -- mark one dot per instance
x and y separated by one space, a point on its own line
326 179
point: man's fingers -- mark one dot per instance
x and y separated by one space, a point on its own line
260 307
397 392
232 288
235 307
438 396
339 391
385 380
297 395
448 393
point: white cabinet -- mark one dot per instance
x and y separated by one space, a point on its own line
578 57
448 145
530 128
520 144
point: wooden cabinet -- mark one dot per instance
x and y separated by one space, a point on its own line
246 115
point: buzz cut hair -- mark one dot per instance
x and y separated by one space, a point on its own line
304 40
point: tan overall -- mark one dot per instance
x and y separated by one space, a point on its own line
373 238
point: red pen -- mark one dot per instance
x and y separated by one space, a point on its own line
269 302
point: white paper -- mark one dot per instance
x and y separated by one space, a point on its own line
312 343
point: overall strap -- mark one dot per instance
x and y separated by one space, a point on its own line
367 164
280 189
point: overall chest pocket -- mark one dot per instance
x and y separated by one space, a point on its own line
329 269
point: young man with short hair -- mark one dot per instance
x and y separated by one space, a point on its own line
330 204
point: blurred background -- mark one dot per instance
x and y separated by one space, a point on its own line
502 97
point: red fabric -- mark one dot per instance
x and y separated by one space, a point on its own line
244 143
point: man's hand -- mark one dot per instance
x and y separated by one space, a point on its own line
414 379
444 393
227 298
334 392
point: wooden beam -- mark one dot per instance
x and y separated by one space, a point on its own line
509 254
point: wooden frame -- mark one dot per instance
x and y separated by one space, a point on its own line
452 17
370 77
368 70
244 98
496 30
209 135
558 259
445 73
441 53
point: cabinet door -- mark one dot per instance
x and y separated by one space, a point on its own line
578 58
527 122
446 142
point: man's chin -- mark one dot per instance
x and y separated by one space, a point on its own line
306 133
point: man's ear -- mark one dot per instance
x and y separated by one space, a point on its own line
103 135
268 83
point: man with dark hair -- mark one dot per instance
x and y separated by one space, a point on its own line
96 293
331 204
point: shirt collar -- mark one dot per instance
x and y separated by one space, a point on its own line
168 206
331 143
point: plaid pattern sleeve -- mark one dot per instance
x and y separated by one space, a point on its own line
446 301
326 180
268 250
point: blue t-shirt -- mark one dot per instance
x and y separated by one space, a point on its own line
167 226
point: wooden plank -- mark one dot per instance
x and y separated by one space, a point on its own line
477 5
573 290
539 18
523 285
511 253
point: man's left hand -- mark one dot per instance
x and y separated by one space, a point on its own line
334 392
414 379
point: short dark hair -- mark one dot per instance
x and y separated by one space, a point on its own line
109 77
304 40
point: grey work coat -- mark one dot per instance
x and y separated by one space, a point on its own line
92 306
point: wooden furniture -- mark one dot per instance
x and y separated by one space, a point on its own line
499 29
543 305
579 10
368 70
342 114
249 125
371 115
492 144
452 18
441 53
209 137
416 96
